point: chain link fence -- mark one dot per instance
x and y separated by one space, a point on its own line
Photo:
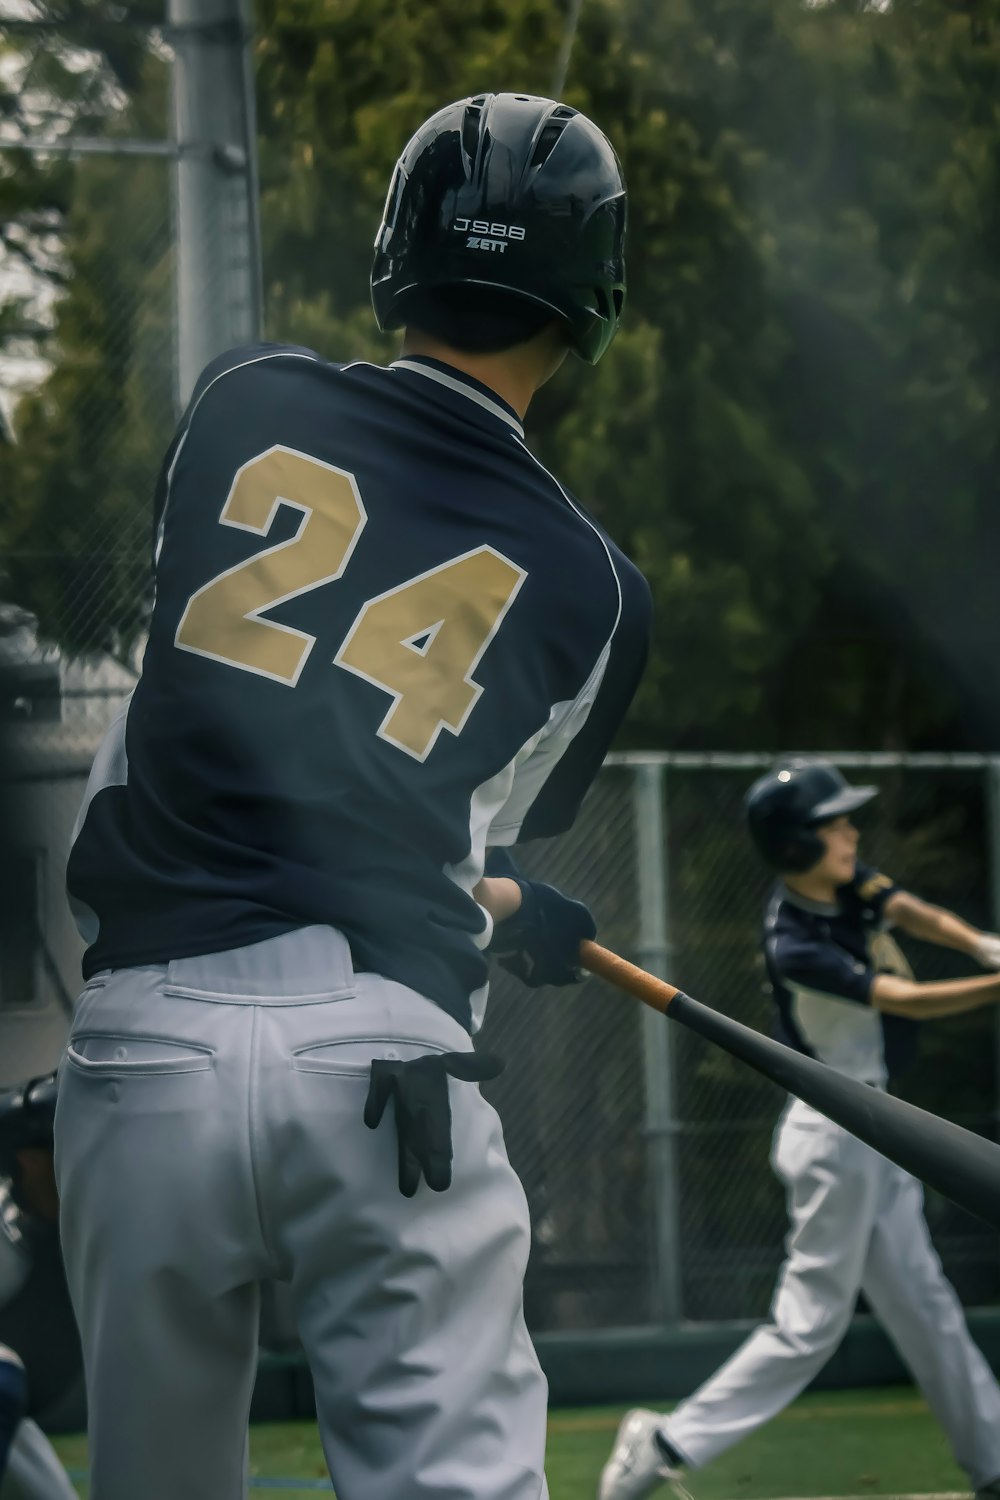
643 1150
643 1216
87 329
130 257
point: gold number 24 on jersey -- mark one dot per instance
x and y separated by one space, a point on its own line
419 642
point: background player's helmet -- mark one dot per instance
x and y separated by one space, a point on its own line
785 807
516 193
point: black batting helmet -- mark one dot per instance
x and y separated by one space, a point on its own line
519 194
785 807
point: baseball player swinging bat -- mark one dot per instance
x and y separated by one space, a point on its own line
848 1156
958 1163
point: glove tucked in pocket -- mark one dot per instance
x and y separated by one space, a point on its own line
419 1091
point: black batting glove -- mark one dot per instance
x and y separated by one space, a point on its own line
419 1091
540 943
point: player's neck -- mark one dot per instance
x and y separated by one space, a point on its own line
815 886
514 375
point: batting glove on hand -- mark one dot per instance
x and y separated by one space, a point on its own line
987 950
540 943
419 1091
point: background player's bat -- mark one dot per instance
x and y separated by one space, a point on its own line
961 1165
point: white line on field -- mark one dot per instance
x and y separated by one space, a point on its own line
874 1495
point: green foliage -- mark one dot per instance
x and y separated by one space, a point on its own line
75 523
793 434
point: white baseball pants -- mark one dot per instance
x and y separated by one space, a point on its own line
857 1223
209 1136
33 1470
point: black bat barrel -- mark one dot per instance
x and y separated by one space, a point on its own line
963 1166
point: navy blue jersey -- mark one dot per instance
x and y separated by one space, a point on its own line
384 638
821 961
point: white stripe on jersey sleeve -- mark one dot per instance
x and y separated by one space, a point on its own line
500 805
486 800
110 768
535 763
467 875
494 796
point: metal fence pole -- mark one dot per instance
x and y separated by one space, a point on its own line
653 953
215 199
993 844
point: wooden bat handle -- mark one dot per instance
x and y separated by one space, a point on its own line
625 976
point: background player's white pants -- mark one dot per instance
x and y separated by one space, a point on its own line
209 1135
33 1470
856 1223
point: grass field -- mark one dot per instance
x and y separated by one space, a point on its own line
851 1443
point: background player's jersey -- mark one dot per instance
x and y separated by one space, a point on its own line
384 638
821 961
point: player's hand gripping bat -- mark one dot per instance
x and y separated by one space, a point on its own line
956 1162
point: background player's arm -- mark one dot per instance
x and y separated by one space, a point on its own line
928 1002
831 970
932 924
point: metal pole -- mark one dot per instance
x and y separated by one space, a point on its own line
993 829
215 184
661 1126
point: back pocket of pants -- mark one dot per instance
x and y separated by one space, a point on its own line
104 1054
353 1058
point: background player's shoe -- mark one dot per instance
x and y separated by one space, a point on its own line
637 1465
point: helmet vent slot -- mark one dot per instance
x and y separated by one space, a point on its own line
603 305
545 143
394 199
618 298
563 113
470 128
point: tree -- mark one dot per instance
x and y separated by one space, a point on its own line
65 70
661 437
74 525
805 370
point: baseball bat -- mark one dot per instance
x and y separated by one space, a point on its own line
958 1163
